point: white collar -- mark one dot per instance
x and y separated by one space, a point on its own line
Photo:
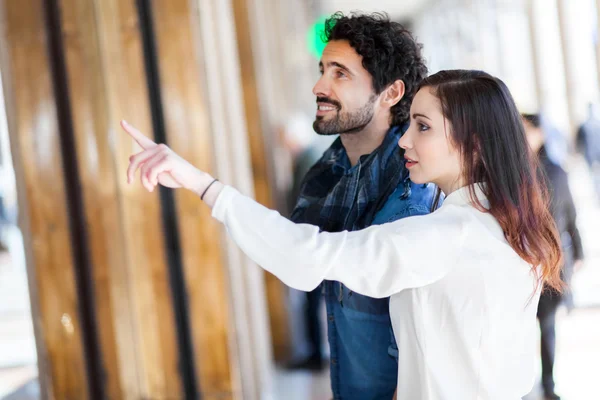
462 196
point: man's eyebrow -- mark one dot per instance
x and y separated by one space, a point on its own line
341 66
336 64
415 115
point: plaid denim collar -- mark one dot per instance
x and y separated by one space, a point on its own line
337 196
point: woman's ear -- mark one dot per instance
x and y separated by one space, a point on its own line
394 93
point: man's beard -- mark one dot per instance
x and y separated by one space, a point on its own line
345 122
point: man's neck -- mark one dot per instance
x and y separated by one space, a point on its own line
363 142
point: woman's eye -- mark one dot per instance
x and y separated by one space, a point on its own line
423 127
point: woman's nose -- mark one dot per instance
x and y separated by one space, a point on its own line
404 141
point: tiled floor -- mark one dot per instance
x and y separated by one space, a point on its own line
17 343
302 386
577 354
19 383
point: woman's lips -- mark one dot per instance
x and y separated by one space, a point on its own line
410 162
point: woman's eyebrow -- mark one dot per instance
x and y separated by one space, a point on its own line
415 115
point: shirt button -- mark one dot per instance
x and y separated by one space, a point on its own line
331 317
333 361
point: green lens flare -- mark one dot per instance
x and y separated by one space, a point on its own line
314 38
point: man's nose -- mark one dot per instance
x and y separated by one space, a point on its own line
321 88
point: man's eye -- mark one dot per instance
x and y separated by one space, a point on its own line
340 74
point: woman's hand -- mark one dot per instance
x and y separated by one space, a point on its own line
158 164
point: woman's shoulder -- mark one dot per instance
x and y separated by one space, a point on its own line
450 222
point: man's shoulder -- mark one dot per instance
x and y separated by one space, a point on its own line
408 200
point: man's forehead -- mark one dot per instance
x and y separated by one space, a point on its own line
340 51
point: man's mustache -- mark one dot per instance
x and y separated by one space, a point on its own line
329 101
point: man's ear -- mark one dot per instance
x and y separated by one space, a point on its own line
394 93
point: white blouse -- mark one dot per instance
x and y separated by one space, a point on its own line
463 303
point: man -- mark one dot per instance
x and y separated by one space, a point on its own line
588 141
370 70
565 216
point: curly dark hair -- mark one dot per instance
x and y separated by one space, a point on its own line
389 53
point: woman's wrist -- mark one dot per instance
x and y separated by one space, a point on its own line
201 182
212 193
208 188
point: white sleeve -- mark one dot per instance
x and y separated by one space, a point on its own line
377 262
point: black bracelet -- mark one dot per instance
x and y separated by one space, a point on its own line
206 190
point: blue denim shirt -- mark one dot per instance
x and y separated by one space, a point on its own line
363 350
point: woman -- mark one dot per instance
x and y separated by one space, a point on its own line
563 211
464 281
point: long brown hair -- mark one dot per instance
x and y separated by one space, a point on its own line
488 131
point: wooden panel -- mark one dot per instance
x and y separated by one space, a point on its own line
88 100
34 134
276 291
134 305
189 134
150 293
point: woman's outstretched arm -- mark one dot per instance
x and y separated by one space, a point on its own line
377 261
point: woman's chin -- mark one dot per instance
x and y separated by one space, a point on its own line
414 177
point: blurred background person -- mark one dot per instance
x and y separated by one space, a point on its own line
588 143
3 221
563 211
556 146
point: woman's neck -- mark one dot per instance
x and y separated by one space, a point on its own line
448 187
